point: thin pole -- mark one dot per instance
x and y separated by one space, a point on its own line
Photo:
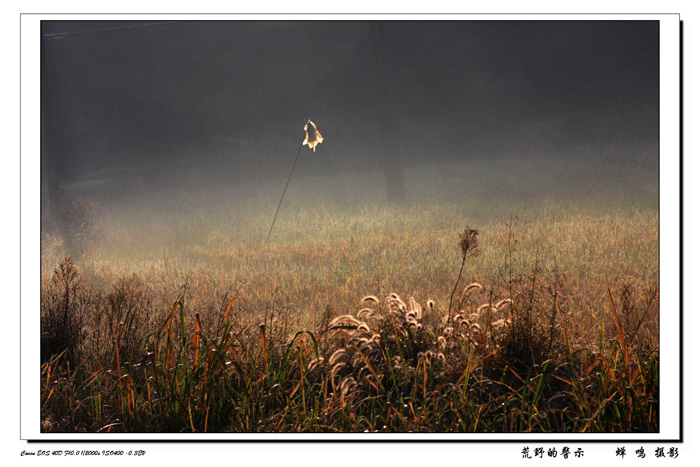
285 190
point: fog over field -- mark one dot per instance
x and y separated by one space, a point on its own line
217 103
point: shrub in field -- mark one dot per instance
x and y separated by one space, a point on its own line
404 349
63 308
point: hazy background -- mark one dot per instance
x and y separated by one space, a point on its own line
166 147
146 103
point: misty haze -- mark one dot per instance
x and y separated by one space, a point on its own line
472 245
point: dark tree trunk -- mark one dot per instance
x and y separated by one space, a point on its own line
393 169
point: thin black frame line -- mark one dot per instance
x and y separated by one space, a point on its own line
371 441
19 354
352 14
681 419
680 252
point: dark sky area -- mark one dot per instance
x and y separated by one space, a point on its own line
120 96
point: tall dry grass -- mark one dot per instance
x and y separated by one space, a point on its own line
185 319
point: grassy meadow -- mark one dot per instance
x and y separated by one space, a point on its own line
172 314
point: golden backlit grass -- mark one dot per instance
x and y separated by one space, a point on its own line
552 246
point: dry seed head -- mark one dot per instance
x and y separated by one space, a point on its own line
503 302
336 333
364 328
486 306
369 298
365 312
315 363
337 355
468 241
348 385
415 308
359 341
357 360
431 304
363 372
395 303
347 318
370 378
336 368
470 287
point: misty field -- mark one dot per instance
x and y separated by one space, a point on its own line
173 314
